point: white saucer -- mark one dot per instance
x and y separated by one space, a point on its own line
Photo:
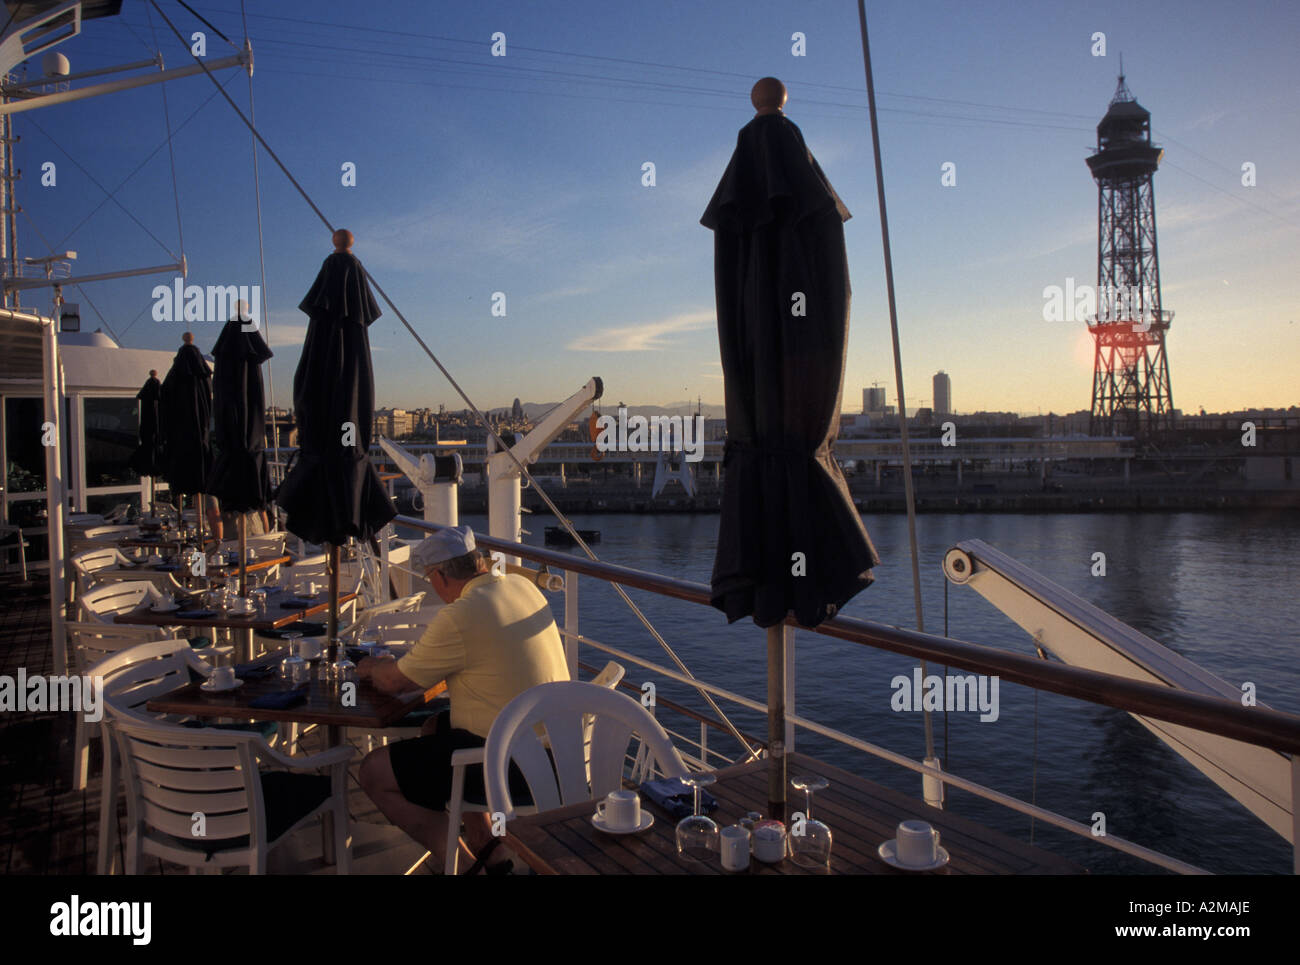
159 608
647 819
207 685
240 614
889 854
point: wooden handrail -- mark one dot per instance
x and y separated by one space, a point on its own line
1261 726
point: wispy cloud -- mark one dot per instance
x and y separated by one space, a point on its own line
645 337
286 333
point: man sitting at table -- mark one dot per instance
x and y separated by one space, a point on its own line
495 639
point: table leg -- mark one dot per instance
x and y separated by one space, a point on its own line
333 738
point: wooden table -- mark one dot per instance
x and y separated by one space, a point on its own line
861 814
277 618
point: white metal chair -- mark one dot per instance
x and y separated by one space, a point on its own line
176 777
457 806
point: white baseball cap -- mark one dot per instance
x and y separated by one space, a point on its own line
446 544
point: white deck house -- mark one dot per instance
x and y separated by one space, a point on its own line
100 423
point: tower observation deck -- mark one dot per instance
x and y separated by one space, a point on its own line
1131 391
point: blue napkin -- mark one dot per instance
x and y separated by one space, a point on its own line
296 603
282 700
254 671
196 614
166 567
198 643
676 798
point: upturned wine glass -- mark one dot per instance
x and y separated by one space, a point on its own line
810 844
697 835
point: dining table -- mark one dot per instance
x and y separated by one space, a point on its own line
861 814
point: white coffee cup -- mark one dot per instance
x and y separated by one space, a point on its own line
769 843
309 648
313 589
241 604
222 677
620 811
733 842
917 843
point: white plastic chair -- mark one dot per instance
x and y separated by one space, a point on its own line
101 603
266 545
560 709
132 677
397 621
171 773
457 806
20 545
97 566
93 642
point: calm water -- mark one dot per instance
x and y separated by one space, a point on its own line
1220 590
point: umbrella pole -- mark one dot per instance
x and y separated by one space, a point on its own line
776 722
332 563
243 554
198 521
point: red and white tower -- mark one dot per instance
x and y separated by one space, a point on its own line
1131 392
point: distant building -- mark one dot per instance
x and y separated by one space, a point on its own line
873 400
942 394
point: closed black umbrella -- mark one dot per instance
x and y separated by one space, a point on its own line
790 538
147 460
186 409
332 491
240 479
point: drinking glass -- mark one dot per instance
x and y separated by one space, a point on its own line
292 639
697 835
812 848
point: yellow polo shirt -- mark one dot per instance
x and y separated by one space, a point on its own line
491 644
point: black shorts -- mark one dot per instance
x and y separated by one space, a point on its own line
422 766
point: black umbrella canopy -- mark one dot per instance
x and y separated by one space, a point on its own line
240 479
147 459
186 408
333 492
790 538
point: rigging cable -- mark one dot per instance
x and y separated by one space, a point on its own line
171 152
261 261
898 362
750 753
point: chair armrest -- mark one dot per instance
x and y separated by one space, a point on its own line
329 758
467 756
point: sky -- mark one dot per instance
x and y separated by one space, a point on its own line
524 175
